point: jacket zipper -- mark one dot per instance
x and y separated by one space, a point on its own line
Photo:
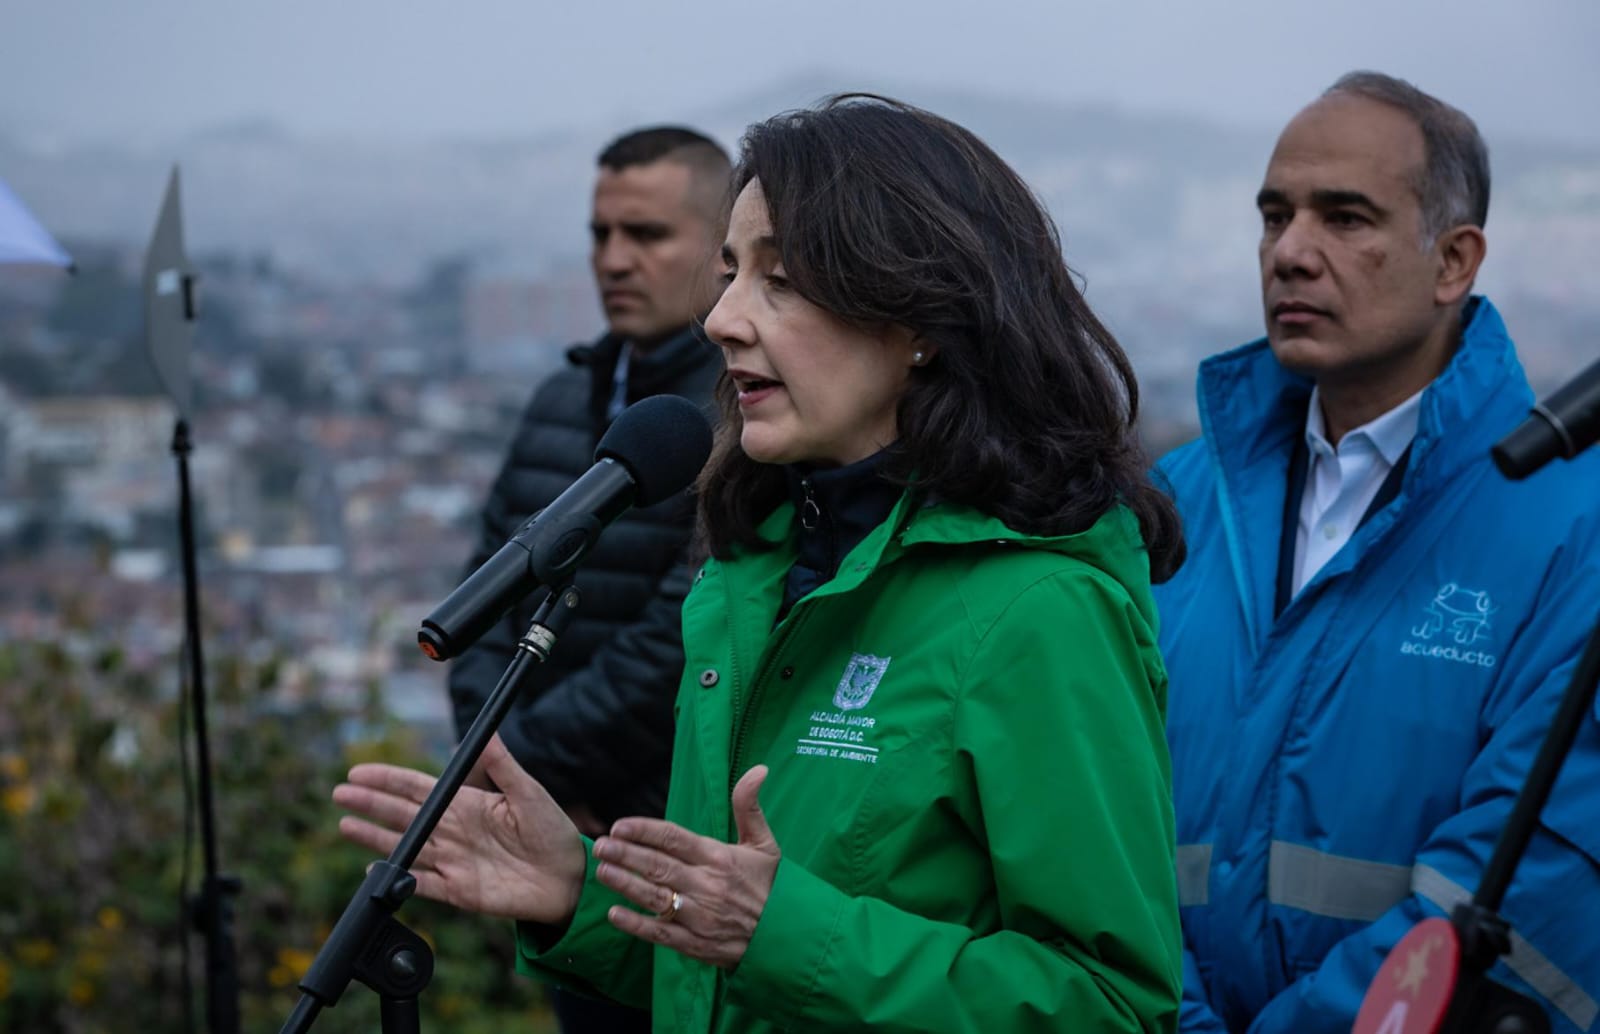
741 733
811 518
746 715
810 512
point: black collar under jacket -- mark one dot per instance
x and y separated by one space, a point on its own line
653 373
835 508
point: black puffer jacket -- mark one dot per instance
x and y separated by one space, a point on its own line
594 724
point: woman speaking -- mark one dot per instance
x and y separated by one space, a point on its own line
919 776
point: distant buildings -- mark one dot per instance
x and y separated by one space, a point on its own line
347 423
340 458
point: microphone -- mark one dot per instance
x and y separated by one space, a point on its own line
1565 424
649 454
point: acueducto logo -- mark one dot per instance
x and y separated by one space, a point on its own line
1456 618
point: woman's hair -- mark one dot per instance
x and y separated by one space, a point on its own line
887 214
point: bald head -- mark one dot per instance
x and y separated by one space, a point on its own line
1452 181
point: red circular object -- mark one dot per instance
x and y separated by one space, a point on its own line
1412 990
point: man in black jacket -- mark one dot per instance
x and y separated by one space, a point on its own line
594 725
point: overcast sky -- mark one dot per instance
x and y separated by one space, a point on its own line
150 69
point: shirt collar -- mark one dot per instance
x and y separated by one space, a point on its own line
1389 433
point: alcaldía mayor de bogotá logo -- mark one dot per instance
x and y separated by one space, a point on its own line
861 678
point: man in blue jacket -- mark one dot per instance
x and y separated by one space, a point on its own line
1373 628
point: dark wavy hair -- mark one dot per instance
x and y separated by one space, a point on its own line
887 214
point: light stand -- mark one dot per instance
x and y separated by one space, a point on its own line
169 294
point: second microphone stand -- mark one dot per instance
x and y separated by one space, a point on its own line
1480 1004
368 943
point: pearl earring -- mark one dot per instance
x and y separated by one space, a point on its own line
918 357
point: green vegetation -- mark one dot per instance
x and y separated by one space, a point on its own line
91 851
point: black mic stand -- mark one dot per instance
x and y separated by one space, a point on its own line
1480 1004
368 943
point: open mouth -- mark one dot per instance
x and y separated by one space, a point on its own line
754 390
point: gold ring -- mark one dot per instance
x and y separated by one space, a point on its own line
670 913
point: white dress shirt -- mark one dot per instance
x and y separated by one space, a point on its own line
1342 480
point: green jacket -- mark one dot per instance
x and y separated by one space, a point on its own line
969 784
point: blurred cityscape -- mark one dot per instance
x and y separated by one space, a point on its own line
373 316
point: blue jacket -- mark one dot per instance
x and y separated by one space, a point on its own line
1341 769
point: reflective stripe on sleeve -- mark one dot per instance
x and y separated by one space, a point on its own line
1332 885
1194 874
1525 960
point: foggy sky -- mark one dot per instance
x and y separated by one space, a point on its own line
149 70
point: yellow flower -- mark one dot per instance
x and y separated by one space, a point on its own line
17 800
280 976
36 953
295 961
14 766
110 918
80 992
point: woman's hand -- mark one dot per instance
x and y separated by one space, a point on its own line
511 853
721 888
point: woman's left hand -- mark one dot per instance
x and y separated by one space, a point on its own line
721 888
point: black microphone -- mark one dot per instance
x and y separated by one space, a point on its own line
652 452
1564 424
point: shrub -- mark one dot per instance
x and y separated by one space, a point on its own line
92 838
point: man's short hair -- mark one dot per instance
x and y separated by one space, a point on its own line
709 168
1453 185
649 145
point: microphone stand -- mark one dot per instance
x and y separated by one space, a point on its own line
1479 1003
368 943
